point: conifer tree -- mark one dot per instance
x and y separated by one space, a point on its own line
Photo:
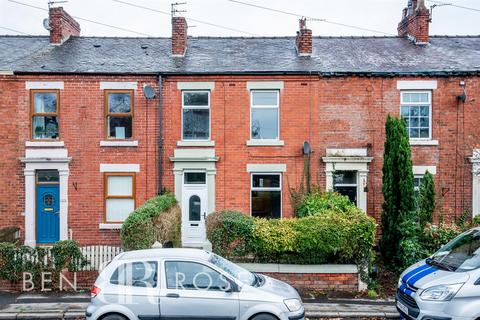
426 200
398 193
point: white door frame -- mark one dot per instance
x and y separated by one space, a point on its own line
194 232
45 159
349 160
195 160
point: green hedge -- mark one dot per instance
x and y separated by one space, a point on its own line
141 229
318 202
331 237
14 260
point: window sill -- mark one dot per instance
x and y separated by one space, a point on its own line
44 144
424 142
110 226
120 143
265 143
195 143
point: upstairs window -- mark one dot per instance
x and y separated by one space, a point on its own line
119 196
416 109
119 106
196 115
264 115
266 195
44 114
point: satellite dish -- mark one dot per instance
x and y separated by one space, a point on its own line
149 92
46 24
306 148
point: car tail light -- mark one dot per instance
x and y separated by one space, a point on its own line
95 291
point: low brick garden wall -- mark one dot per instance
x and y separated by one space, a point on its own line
310 277
316 277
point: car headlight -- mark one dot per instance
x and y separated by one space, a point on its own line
441 293
293 304
399 282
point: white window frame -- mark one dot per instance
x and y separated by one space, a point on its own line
252 188
184 182
417 176
198 107
405 104
277 106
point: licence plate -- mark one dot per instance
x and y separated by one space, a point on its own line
402 307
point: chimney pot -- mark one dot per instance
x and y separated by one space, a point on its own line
304 41
179 36
62 26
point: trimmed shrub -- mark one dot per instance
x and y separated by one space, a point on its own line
331 237
230 233
148 224
318 202
14 260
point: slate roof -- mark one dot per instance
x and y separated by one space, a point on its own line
206 55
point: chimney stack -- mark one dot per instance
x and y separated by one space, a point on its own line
62 26
179 36
415 22
303 41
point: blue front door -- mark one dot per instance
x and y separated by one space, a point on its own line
48 209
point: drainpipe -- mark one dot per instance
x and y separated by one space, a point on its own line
160 135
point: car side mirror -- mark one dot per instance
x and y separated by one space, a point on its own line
233 287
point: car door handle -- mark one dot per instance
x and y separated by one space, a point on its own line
173 295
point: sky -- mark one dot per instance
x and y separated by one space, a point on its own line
240 19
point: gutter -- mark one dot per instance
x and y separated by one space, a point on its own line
160 135
388 74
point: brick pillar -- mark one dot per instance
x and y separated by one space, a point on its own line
179 36
304 40
62 26
415 22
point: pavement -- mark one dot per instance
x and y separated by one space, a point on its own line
72 306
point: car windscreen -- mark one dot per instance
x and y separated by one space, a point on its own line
234 270
462 253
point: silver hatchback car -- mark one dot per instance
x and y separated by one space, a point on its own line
445 286
188 284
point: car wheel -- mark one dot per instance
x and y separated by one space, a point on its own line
264 316
114 317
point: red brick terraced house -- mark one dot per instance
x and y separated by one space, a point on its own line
82 146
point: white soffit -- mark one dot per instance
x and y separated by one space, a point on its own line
110 167
105 85
417 84
265 85
266 167
196 85
38 85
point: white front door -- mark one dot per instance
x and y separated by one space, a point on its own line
194 208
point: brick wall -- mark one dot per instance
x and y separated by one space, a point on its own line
319 281
337 112
82 126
